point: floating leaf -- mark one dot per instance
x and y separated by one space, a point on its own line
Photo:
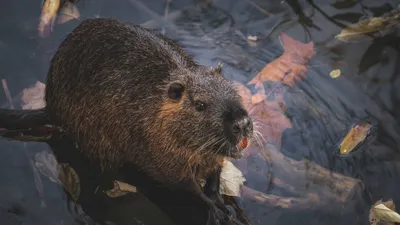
252 38
120 189
48 16
335 73
260 95
291 66
364 28
231 179
68 12
357 134
269 115
70 180
33 98
47 164
383 213
373 219
62 173
244 92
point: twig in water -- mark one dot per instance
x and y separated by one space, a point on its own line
7 92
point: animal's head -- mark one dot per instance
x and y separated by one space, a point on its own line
202 112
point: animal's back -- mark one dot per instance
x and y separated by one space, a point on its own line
102 85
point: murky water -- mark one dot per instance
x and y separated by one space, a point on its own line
321 109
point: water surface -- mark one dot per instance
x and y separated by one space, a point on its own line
367 88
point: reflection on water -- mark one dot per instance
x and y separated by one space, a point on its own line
321 109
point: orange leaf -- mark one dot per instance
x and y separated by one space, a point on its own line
291 66
268 116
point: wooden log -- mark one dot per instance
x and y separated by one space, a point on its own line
302 178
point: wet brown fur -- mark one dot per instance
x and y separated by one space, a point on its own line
107 89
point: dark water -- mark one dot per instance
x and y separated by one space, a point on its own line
321 109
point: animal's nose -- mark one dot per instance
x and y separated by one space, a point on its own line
243 126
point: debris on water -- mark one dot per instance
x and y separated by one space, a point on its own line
48 16
120 189
232 179
252 38
33 97
70 179
62 173
365 28
384 213
68 12
47 165
356 135
291 66
335 73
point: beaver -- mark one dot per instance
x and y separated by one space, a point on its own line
129 95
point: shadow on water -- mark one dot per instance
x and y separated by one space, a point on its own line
321 109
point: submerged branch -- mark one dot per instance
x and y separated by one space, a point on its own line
26 125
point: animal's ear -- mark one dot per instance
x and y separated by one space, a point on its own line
175 90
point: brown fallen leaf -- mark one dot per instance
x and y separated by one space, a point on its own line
291 66
335 73
68 12
268 116
62 173
383 213
48 16
244 92
363 29
120 189
270 120
260 95
70 180
356 135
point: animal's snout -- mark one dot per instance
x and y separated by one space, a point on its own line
243 126
238 123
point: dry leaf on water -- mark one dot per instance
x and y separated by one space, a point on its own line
33 98
244 92
120 189
268 116
48 16
68 12
383 213
335 73
231 179
359 31
62 173
70 180
356 135
291 66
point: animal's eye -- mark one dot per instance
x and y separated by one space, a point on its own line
175 91
200 106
